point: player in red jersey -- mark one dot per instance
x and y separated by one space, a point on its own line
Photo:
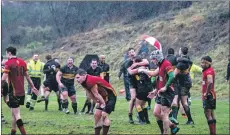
208 92
103 94
164 91
15 70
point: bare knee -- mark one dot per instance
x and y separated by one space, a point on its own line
105 117
65 94
73 98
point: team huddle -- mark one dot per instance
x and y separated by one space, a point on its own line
149 75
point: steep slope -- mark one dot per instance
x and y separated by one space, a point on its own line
203 28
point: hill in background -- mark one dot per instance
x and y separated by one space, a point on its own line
203 27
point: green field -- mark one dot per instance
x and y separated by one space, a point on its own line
55 122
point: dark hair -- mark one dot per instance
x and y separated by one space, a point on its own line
81 71
48 57
170 51
207 58
184 50
138 58
94 60
131 49
12 50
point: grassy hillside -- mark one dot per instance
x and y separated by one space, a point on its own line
203 28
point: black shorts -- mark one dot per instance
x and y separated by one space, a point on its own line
5 89
142 96
16 101
51 84
70 89
165 98
176 88
109 105
36 82
184 91
209 103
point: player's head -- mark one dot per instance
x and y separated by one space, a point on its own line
93 63
10 51
184 50
156 56
131 52
48 57
206 62
137 59
70 61
35 57
171 51
80 75
56 60
102 58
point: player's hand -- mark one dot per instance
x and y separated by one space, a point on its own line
61 85
141 70
102 106
152 94
227 81
35 91
163 89
133 65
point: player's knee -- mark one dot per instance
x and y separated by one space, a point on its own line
106 121
65 94
97 114
139 109
156 114
73 98
104 115
19 123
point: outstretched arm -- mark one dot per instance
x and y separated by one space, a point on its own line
149 72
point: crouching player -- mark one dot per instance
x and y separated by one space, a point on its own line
102 93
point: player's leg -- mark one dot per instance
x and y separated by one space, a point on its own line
28 97
132 104
127 91
65 103
15 109
165 113
145 111
138 104
110 106
182 110
72 95
59 99
37 84
209 105
174 112
98 121
166 103
92 106
85 105
187 109
47 91
184 100
157 114
14 125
